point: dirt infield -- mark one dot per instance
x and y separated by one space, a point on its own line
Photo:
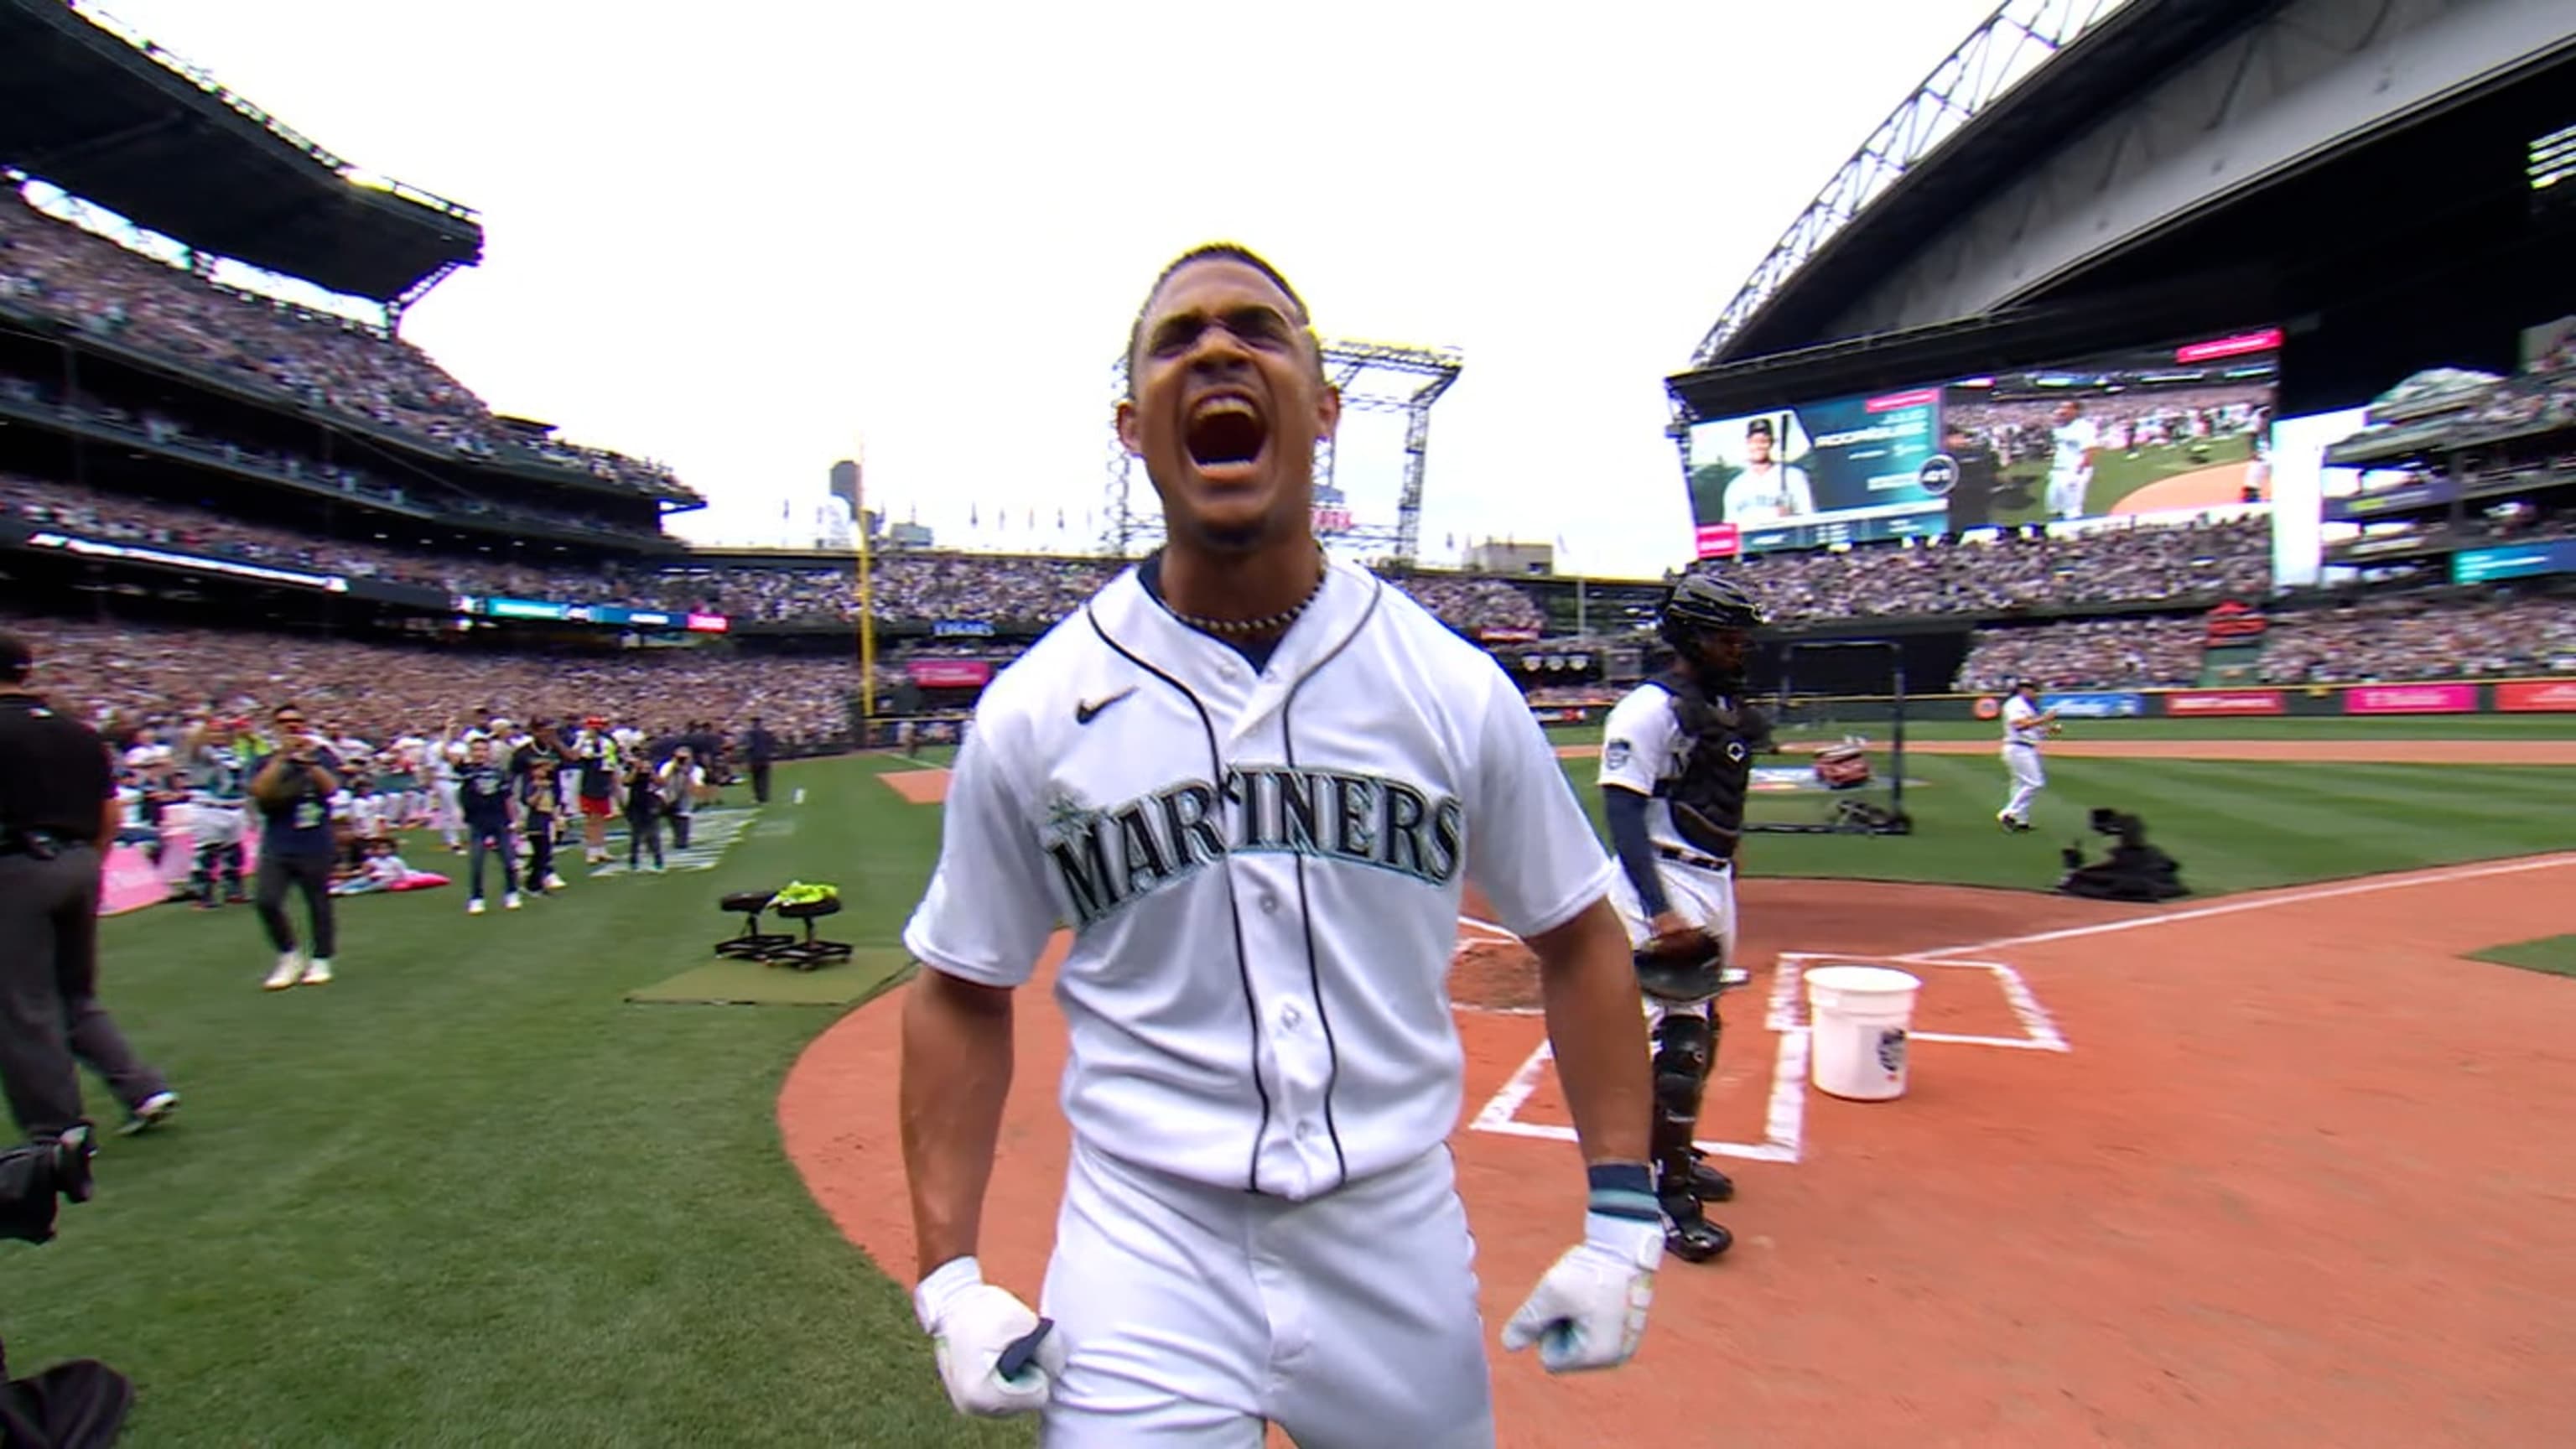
2308 752
921 787
2220 485
2289 1180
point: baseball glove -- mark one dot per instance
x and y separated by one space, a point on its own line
1688 967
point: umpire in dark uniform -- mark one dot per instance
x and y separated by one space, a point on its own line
57 816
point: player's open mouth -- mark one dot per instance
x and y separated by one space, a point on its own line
1226 436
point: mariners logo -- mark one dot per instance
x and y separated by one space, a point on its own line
1891 1050
1107 859
1614 754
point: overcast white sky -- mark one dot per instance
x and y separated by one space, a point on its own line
741 238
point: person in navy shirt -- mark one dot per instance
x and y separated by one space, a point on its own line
293 784
483 796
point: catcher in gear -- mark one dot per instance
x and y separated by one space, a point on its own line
1676 760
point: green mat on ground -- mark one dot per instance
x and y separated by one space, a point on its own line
869 970
2553 954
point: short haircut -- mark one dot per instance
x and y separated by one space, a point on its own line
1217 252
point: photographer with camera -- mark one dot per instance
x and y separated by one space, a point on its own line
293 786
57 817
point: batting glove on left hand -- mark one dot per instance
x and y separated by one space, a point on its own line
1589 1311
996 1357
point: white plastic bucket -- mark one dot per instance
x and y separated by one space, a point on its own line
1861 1016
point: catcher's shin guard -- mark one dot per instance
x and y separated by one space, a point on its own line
1685 1051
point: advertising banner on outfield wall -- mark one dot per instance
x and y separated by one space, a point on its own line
2198 703
2096 706
2552 696
949 673
2411 699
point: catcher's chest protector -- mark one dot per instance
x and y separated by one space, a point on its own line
1707 797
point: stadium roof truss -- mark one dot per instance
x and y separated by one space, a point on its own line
2017 39
1388 377
99 110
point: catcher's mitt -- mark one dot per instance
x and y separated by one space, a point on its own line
1688 968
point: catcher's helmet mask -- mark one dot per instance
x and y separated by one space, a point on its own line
1702 607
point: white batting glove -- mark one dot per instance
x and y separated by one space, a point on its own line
974 1327
1590 1309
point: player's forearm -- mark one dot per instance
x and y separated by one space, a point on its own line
1597 1033
956 1074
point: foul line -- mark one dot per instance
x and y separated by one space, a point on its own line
2372 886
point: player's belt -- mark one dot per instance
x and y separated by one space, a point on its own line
1693 857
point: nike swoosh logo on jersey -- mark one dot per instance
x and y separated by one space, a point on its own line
1085 712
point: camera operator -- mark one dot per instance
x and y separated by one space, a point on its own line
293 786
57 816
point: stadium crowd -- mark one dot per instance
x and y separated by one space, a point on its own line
2020 570
2384 640
53 268
2016 570
129 677
2402 639
2085 654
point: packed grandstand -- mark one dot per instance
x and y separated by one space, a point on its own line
240 430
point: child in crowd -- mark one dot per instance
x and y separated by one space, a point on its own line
543 801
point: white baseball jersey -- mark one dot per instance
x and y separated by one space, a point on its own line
2021 723
1768 495
1642 746
2071 442
1261 870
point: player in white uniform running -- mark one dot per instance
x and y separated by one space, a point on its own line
1253 781
2025 725
2073 441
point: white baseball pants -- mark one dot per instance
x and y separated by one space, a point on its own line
1194 1316
2028 780
1697 894
2066 493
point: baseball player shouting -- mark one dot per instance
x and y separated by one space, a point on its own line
1253 781
1676 760
2025 725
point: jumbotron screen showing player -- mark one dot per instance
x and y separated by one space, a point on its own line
2167 429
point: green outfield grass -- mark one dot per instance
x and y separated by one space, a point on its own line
469 1193
2554 955
2234 827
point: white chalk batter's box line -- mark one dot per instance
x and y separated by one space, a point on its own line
2039 1032
1784 1117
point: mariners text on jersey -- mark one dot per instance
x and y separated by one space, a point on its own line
1107 858
1263 869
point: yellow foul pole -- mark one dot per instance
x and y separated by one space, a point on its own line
867 609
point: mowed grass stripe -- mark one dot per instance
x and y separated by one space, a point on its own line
2234 826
